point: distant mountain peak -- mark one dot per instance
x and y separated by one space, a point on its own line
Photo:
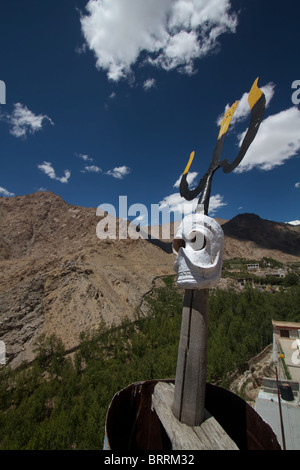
266 234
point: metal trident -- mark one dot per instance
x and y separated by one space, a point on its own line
190 383
257 101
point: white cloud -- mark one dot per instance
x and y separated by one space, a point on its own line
177 204
92 169
47 168
119 172
88 168
81 49
181 49
277 140
190 179
294 222
170 33
297 185
23 121
4 192
215 203
150 83
140 218
84 157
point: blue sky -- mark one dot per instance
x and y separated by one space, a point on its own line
109 98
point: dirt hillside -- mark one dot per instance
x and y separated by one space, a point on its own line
58 277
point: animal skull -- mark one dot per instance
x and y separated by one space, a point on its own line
198 243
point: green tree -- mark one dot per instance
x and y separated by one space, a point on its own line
50 353
291 279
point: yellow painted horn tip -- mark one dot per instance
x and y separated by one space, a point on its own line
254 94
189 163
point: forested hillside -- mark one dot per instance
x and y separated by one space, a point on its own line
60 401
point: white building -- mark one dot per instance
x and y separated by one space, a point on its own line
284 329
279 401
253 266
279 273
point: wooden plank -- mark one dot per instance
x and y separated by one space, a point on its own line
209 436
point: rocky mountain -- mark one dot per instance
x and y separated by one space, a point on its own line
249 236
58 277
246 236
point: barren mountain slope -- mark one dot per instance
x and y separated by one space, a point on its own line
249 236
58 277
246 236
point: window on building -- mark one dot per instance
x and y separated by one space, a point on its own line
284 333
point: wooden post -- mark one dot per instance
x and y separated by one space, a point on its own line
190 382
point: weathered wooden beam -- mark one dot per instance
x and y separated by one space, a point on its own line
190 382
209 436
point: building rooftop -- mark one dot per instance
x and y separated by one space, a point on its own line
286 325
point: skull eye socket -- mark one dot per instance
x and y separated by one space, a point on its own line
177 244
198 241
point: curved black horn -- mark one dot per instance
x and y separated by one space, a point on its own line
257 102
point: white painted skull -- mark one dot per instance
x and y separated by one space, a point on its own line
198 243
